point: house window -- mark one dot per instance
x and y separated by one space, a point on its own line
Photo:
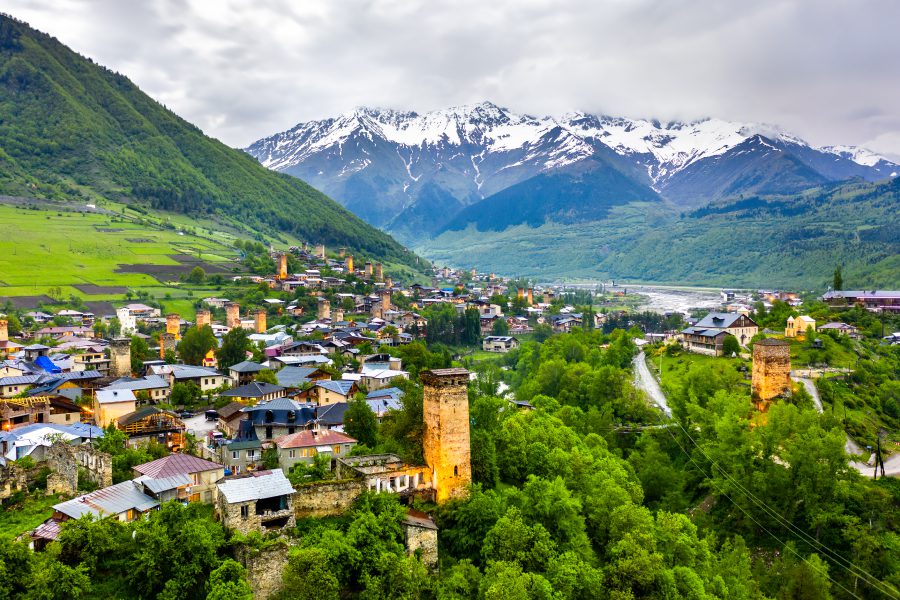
455 471
251 453
270 416
268 433
291 453
245 512
234 454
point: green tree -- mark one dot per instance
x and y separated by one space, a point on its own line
139 351
185 394
197 276
266 376
837 282
308 577
500 327
196 344
360 422
235 345
731 346
229 582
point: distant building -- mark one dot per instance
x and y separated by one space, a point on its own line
304 446
872 300
799 326
499 343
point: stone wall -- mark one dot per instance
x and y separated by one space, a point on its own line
326 498
446 439
12 479
423 541
265 567
771 369
65 460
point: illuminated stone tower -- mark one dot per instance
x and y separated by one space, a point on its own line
120 357
368 269
348 263
530 296
259 320
282 266
173 325
771 370
4 330
446 439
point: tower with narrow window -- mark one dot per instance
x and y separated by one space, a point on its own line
446 438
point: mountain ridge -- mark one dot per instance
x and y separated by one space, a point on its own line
377 161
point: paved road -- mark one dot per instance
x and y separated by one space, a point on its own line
644 380
891 465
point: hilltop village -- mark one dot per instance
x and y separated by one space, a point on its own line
280 410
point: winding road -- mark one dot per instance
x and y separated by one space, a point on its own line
645 380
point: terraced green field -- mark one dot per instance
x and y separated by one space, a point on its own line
98 257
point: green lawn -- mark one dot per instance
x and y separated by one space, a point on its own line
675 368
25 516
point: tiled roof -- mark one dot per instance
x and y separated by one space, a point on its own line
254 389
176 464
310 438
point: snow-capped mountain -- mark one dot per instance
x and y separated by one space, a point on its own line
413 172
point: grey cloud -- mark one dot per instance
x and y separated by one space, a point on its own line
825 70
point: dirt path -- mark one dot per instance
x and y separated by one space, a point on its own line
644 380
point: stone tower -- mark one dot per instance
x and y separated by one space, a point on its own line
342 252
385 301
167 341
282 266
324 309
520 293
388 282
120 357
379 272
232 315
337 315
446 438
348 263
530 296
368 269
204 318
320 251
4 330
173 325
259 320
771 369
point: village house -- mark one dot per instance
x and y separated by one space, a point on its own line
275 418
875 300
206 378
152 387
740 326
254 393
300 377
499 343
34 439
799 326
304 446
842 328
244 372
260 502
110 405
201 476
241 456
150 424
329 392
229 417
704 341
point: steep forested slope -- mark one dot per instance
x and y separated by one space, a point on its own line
72 129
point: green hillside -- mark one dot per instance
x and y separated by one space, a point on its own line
791 241
73 130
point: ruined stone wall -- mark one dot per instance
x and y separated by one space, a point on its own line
12 479
424 541
326 498
446 439
265 567
771 369
65 460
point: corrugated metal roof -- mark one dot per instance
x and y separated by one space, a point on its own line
112 500
162 484
259 486
118 395
176 464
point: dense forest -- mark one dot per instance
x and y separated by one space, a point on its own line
70 129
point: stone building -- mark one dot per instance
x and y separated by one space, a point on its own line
379 272
446 438
771 370
282 266
259 320
260 502
232 315
120 357
68 462
421 538
204 318
324 309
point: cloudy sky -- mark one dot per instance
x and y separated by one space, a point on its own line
828 70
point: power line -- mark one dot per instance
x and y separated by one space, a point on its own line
805 537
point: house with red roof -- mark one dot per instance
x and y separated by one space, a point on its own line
181 476
305 445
